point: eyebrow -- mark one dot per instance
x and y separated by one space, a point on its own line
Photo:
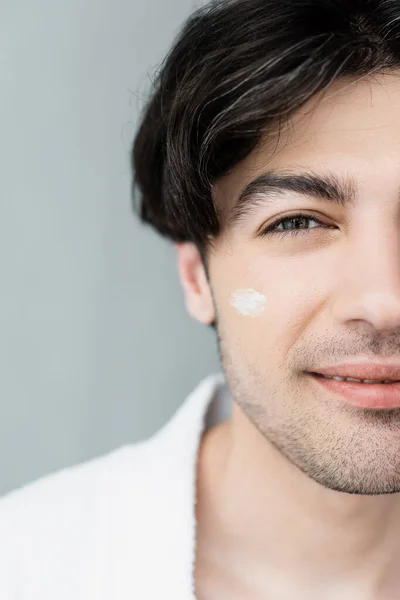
272 185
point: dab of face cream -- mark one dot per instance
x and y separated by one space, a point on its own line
248 302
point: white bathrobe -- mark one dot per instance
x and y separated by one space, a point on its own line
119 527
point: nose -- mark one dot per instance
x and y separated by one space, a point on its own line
369 281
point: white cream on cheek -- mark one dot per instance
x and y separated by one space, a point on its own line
248 302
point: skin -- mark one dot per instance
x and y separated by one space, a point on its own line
290 489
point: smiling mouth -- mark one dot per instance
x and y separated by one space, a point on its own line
374 394
354 380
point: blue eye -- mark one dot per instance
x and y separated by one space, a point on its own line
299 219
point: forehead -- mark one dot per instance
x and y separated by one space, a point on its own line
349 128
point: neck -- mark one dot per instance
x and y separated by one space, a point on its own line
261 518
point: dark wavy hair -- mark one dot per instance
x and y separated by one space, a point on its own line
236 70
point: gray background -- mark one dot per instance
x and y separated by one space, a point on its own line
96 348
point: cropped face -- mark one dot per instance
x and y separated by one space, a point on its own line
306 276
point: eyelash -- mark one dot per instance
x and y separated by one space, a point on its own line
271 229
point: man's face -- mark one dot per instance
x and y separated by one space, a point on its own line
332 292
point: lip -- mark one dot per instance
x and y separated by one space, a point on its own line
364 371
363 395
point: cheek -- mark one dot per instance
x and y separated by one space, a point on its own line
268 304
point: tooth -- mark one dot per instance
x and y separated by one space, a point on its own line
338 378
